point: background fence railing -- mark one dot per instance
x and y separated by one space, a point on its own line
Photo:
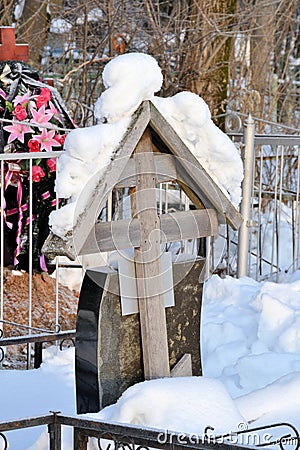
267 246
117 436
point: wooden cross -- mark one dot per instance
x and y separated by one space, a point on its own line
140 163
9 50
146 232
148 265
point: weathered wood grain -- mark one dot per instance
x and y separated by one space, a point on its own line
184 367
178 226
148 267
165 170
105 184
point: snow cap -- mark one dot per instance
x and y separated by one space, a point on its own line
129 80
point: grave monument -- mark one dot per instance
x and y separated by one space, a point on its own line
113 350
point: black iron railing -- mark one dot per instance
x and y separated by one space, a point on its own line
37 340
127 437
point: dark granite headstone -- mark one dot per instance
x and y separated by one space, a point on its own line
108 345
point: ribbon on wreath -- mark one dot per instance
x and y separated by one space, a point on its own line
7 182
10 175
20 210
20 221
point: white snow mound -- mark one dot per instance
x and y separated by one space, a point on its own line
129 80
189 115
206 400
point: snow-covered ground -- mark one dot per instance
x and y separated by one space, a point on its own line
251 363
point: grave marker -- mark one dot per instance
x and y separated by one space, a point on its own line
101 376
9 50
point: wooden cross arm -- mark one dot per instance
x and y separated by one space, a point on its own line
56 246
122 234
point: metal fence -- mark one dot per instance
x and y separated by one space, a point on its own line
117 436
8 327
267 245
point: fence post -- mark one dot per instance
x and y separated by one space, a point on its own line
249 159
80 440
38 354
54 430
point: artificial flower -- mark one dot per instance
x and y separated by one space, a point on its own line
43 98
60 138
22 99
46 140
37 132
51 163
20 112
53 109
17 131
41 116
33 145
55 112
37 173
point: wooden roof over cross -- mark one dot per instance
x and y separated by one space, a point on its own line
173 161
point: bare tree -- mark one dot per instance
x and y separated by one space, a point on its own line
223 50
7 12
34 26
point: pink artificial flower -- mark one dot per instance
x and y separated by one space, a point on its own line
46 140
20 112
41 116
17 131
53 109
22 99
33 146
51 163
43 98
55 112
37 174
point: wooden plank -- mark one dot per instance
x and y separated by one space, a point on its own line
203 184
191 188
148 267
184 367
165 170
123 234
101 187
56 246
117 235
188 225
